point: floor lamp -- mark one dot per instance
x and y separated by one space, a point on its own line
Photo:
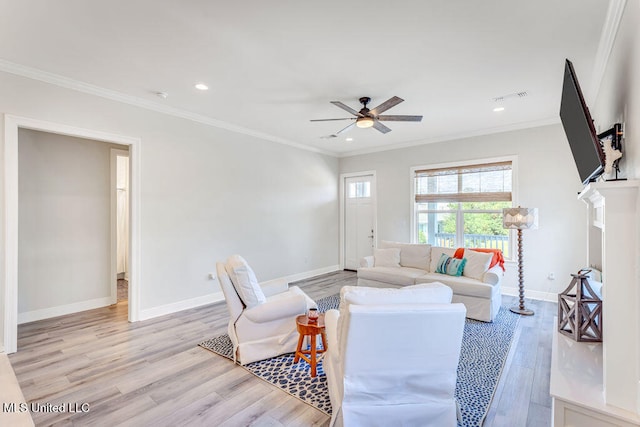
520 219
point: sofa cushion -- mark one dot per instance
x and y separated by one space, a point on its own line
451 266
461 285
415 255
245 281
498 256
477 264
436 253
394 275
386 257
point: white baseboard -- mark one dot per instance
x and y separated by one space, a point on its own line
219 296
301 276
61 310
162 310
537 295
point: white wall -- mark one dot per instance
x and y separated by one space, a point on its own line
547 179
205 193
64 223
618 99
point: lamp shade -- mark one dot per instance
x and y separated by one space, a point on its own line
520 218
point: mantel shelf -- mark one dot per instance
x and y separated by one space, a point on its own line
595 190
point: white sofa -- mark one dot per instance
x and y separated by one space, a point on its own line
393 355
478 288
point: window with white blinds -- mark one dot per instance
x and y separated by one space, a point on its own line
462 205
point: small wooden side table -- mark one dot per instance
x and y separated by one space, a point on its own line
312 328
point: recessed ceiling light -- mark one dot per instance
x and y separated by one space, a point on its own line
498 109
348 139
201 86
162 95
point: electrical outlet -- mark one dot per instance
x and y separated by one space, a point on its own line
551 276
212 276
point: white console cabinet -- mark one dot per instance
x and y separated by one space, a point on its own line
599 384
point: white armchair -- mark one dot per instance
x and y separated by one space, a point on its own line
392 356
262 321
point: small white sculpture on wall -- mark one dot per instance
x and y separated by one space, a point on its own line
611 155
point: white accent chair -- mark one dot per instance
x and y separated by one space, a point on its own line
267 327
393 356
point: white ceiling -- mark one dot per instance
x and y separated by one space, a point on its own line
273 65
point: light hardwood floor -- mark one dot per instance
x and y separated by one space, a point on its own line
153 372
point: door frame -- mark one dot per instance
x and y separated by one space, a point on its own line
374 196
10 213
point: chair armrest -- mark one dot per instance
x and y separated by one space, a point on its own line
310 303
331 328
493 276
281 308
367 261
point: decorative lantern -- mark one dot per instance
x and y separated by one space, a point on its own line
580 310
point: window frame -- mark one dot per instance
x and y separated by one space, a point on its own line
459 212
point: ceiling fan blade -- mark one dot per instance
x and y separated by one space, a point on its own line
346 108
345 129
331 120
380 127
391 102
392 118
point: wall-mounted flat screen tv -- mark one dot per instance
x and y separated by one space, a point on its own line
578 126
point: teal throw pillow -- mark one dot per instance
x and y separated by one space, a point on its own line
450 266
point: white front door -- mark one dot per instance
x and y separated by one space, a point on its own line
359 219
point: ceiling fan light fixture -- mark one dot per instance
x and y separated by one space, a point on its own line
364 122
366 118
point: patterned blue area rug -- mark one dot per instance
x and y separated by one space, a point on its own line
484 350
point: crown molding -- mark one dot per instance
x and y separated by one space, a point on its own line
453 137
72 84
605 46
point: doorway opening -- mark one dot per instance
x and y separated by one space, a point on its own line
120 222
12 125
